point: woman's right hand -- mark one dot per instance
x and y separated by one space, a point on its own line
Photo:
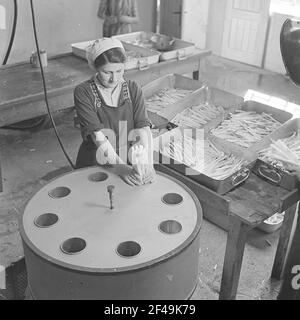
128 174
132 180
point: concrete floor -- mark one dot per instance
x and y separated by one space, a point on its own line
31 158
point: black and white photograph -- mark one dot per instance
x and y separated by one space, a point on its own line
149 153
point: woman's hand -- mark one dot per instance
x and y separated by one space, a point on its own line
128 174
132 180
150 177
112 19
128 19
139 158
124 19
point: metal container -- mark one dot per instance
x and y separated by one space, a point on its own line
145 57
279 115
77 247
271 173
205 94
169 47
270 227
170 81
219 186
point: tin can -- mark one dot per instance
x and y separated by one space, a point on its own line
34 59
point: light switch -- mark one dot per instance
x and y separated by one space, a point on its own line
2 18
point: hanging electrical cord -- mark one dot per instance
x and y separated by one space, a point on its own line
44 86
13 33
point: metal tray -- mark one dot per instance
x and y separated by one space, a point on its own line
274 174
208 94
179 49
219 186
280 115
148 56
170 81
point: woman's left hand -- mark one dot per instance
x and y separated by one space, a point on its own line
123 19
139 158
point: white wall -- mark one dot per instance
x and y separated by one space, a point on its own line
60 23
194 21
273 59
215 26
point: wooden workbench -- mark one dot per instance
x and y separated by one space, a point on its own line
21 88
238 212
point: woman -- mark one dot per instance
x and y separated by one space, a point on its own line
118 16
113 117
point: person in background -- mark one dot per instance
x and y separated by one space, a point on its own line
290 289
113 118
118 15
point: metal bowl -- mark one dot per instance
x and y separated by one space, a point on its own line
162 43
272 224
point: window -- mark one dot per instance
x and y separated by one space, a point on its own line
288 7
2 18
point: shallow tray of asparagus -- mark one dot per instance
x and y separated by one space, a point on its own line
250 125
163 92
277 154
205 109
215 166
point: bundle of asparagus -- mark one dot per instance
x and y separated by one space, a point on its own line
203 156
197 116
246 127
165 97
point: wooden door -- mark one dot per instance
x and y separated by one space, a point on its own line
171 17
245 29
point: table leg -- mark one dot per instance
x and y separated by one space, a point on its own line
197 74
236 240
284 243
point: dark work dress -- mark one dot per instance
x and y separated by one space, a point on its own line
115 122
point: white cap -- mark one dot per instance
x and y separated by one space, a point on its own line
99 46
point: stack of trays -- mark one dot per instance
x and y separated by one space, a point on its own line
270 171
169 48
221 186
137 57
